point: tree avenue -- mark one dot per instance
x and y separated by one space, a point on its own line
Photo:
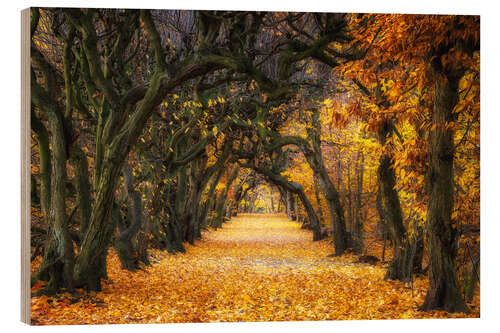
150 127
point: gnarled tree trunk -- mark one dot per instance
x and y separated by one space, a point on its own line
58 260
126 242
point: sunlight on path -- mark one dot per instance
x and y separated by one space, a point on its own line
256 268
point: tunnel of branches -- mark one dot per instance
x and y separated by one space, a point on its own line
149 127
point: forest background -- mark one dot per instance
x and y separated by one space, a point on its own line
11 167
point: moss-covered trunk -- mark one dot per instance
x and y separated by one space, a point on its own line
82 186
58 260
126 242
42 137
93 249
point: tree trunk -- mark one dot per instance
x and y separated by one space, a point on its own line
393 216
82 185
125 243
296 210
400 266
443 292
208 204
318 200
93 249
313 218
348 202
473 277
314 157
45 165
358 223
58 260
340 238
418 245
221 201
289 205
193 207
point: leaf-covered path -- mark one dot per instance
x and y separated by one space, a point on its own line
256 268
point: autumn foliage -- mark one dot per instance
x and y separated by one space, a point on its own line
257 268
356 137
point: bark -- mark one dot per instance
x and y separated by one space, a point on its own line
358 223
348 202
199 177
58 260
473 277
82 186
35 198
126 242
213 173
318 200
382 226
400 266
393 216
417 244
340 237
238 192
289 205
443 292
279 205
167 228
195 189
45 164
178 213
221 202
208 204
88 267
314 157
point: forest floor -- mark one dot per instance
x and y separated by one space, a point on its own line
256 268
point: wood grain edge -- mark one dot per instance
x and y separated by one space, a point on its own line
25 167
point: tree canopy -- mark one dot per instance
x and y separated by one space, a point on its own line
150 126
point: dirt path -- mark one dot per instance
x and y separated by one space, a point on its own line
256 268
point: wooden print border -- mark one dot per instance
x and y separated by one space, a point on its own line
25 166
